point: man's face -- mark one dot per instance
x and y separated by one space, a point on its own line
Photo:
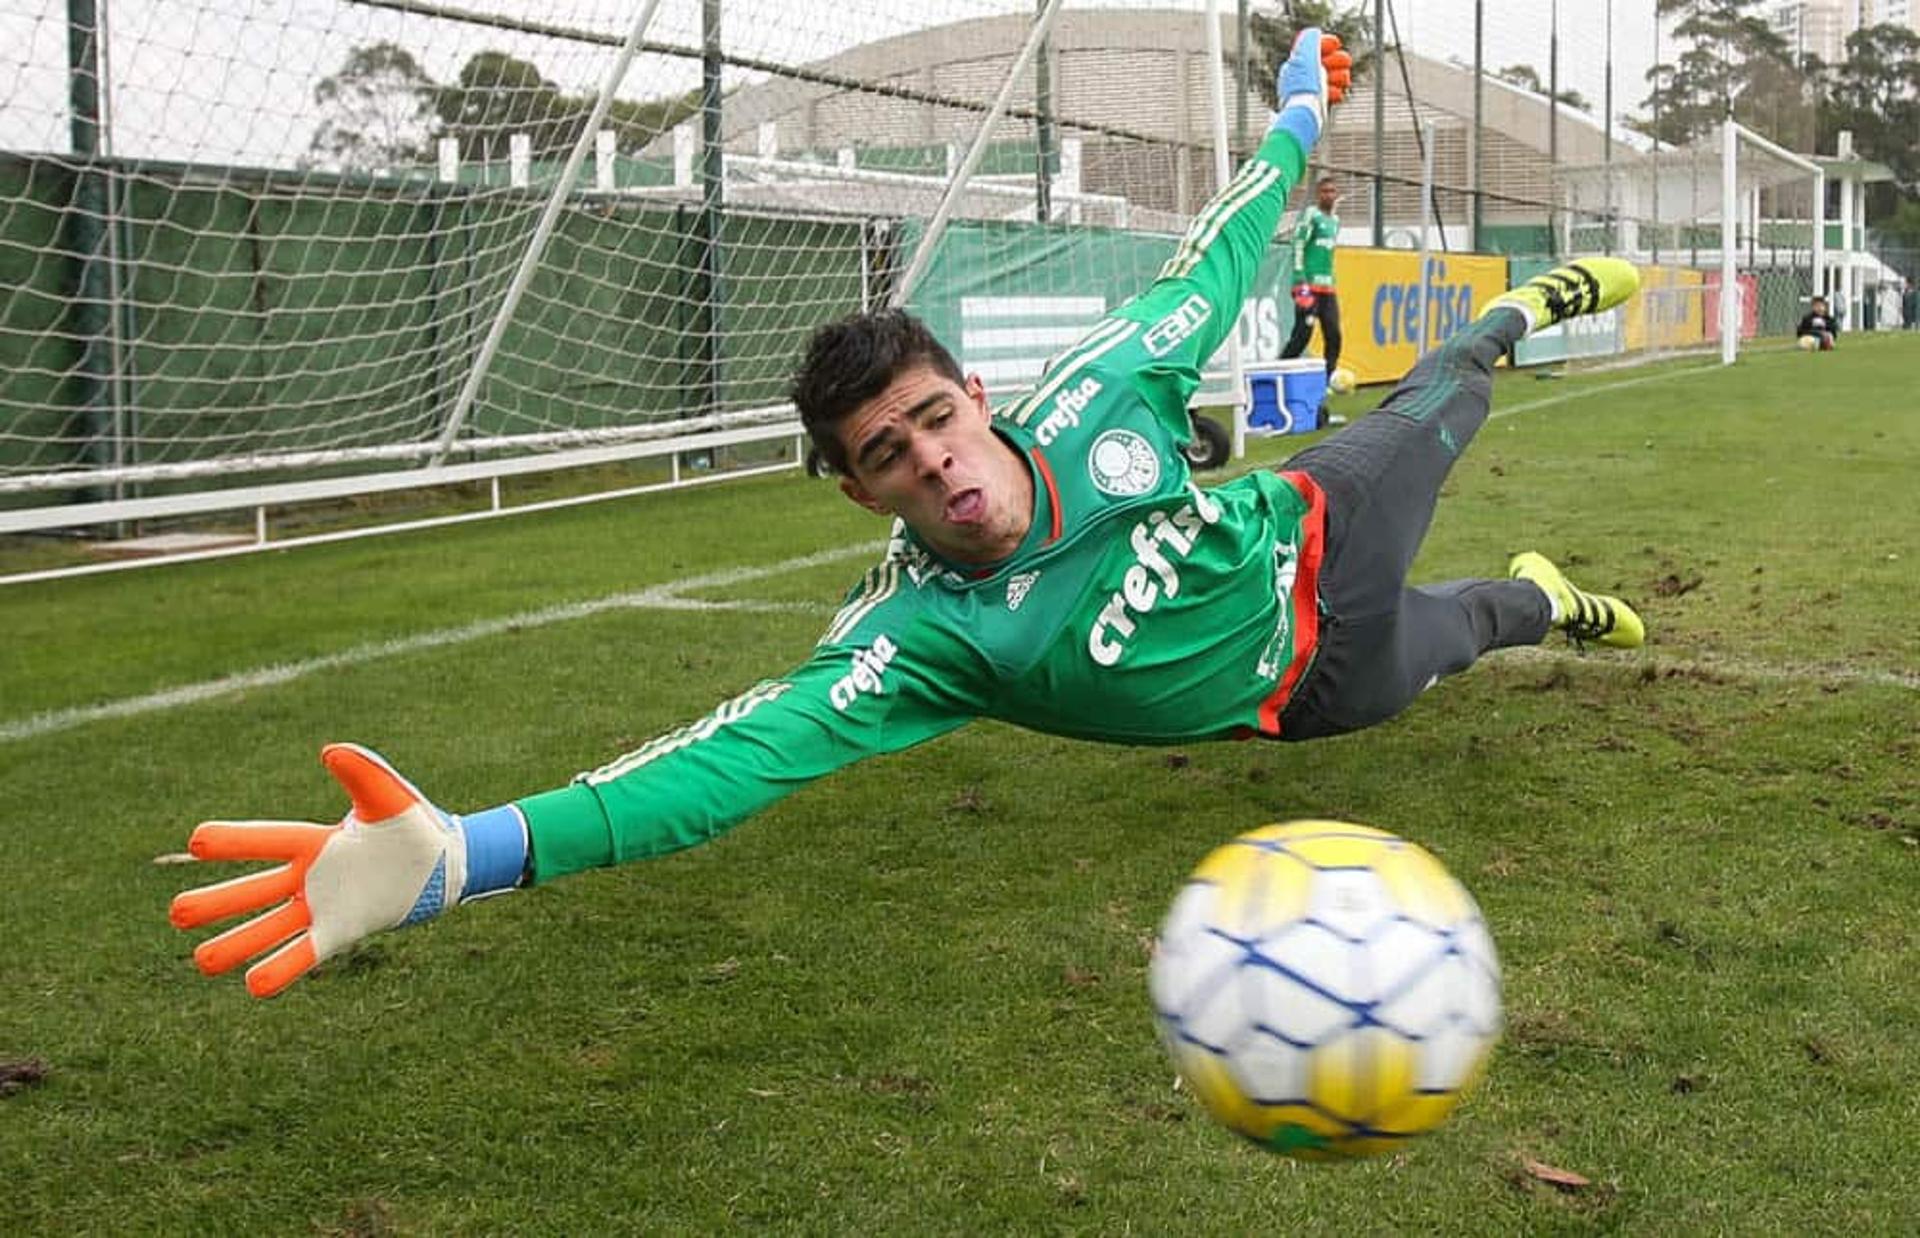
1329 196
1819 306
924 450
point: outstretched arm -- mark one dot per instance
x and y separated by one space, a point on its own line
1197 295
397 859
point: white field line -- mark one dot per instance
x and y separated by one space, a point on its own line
1605 389
657 597
667 597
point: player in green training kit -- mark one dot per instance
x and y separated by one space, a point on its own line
1052 565
1314 298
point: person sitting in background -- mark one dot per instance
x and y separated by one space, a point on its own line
1819 323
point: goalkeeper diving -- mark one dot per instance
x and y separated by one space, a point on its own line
1052 565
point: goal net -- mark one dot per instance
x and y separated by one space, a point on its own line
1730 210
276 252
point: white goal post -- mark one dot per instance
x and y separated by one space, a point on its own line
1730 211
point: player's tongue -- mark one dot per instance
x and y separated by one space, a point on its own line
966 507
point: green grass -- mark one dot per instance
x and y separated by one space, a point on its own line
911 998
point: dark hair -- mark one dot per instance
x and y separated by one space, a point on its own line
851 361
1327 180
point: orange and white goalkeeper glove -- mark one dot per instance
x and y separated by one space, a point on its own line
395 859
1316 74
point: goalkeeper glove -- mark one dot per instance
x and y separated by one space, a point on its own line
394 859
1315 76
1303 296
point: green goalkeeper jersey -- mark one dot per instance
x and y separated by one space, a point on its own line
1140 608
1314 239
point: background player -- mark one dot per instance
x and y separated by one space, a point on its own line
1315 238
1052 566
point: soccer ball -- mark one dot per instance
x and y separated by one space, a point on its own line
1808 343
1326 990
1341 381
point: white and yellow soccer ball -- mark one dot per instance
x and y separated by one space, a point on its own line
1328 991
1342 381
1808 343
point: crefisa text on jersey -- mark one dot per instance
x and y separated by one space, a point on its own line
1152 574
1066 410
869 665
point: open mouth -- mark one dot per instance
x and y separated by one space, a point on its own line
967 507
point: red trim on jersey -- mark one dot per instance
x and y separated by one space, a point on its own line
1306 599
1053 495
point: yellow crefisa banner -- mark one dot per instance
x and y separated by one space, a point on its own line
1380 305
1669 311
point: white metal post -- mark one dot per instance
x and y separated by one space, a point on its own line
1222 171
542 231
923 255
1426 241
1819 233
1729 224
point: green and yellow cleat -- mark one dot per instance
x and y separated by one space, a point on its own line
1584 286
1581 615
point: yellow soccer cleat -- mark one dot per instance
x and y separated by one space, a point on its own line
1584 286
1581 615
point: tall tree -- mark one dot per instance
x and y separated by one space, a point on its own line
497 95
1731 62
379 111
1875 93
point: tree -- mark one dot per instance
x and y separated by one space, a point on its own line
1526 77
1731 63
1875 93
497 95
380 108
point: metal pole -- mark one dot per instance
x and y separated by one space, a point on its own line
1607 149
1729 215
1222 171
1379 125
1656 136
1819 285
1426 245
86 237
1043 128
542 232
1244 60
1553 132
937 227
710 302
1479 114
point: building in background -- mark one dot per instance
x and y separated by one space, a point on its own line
1821 27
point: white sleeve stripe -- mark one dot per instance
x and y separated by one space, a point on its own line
1100 341
1208 226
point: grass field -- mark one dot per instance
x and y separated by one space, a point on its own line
911 999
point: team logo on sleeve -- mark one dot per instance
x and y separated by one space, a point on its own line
868 675
1123 464
1017 587
1170 332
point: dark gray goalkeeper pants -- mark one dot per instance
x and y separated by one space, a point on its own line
1382 643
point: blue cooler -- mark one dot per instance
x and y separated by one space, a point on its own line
1284 397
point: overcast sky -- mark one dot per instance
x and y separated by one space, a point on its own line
232 80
